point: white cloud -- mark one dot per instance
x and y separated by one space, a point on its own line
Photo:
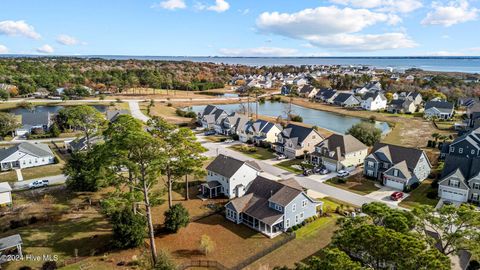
336 28
220 6
454 12
45 49
18 28
170 4
3 49
260 51
244 11
400 6
320 21
359 42
67 40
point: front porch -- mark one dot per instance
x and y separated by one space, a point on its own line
271 231
5 166
211 189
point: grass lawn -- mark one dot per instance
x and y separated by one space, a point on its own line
445 125
260 152
163 110
233 242
217 138
310 239
419 197
287 165
357 184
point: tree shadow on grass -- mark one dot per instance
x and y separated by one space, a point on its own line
187 253
240 230
64 236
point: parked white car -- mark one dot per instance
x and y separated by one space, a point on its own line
38 184
281 156
342 173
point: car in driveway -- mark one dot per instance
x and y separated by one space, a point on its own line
228 141
281 157
38 184
342 173
307 172
209 132
397 195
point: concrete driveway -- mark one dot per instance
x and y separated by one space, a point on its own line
383 195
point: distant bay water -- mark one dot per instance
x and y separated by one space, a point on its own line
468 64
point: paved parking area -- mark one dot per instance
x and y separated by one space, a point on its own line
383 194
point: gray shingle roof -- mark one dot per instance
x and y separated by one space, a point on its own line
113 115
344 144
292 131
37 150
228 166
36 118
255 202
10 241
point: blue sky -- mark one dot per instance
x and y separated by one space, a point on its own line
240 27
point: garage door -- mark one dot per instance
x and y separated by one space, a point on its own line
394 184
330 166
453 196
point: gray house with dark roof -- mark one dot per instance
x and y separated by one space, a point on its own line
272 207
229 176
338 152
231 124
210 116
396 166
438 109
460 180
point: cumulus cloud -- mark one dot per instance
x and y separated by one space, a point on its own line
170 4
67 40
320 21
45 49
18 28
401 6
220 6
260 51
452 13
336 28
3 49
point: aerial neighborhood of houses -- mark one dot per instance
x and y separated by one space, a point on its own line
269 175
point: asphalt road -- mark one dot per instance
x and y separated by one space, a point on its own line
53 180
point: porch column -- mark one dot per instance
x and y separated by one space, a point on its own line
19 249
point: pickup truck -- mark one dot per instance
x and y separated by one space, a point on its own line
38 184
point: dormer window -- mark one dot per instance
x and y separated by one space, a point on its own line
452 149
460 150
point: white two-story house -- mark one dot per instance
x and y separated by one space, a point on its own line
373 101
229 177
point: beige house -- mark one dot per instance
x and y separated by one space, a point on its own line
339 152
295 141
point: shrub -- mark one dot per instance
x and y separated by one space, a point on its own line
176 217
295 227
366 132
25 268
207 245
432 194
128 228
342 180
164 262
49 265
169 104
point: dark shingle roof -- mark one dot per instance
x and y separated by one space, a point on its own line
255 202
397 154
342 97
228 166
36 119
295 131
343 143
439 105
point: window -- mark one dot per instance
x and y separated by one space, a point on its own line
370 164
454 183
385 165
452 149
301 215
287 223
395 172
460 150
476 186
294 207
296 219
304 203
473 152
475 197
